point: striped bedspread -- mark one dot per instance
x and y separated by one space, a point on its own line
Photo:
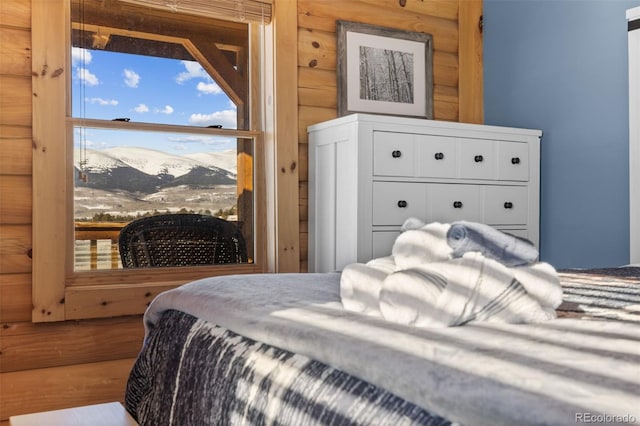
608 293
192 372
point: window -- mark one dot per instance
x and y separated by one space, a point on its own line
73 119
125 169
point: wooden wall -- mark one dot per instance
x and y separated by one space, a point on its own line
59 365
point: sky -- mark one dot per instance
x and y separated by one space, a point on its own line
108 85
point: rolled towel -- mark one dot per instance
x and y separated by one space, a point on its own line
412 223
360 288
455 292
464 237
541 282
419 246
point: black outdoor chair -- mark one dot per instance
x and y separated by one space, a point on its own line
180 240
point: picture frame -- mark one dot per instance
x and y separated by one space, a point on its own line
384 70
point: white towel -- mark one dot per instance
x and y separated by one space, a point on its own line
385 264
541 282
416 247
360 288
454 292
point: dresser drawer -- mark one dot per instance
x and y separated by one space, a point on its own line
393 154
452 202
383 242
506 205
394 202
513 161
476 159
436 156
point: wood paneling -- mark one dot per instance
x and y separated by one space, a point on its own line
26 346
470 51
286 141
15 13
16 157
15 298
15 200
15 246
14 132
15 100
53 388
15 51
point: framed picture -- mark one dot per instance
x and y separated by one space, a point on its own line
384 71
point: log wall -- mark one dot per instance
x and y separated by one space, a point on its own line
59 365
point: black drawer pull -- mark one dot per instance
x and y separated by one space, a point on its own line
515 160
478 158
396 154
457 204
508 205
402 204
439 156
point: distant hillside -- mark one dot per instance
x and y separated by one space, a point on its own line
140 170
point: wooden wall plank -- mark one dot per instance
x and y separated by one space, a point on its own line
471 69
309 115
16 157
286 147
15 100
107 301
15 51
15 200
317 49
15 298
14 132
49 62
15 246
26 346
15 13
63 387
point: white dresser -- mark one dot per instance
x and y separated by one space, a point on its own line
368 173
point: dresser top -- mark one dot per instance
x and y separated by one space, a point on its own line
421 122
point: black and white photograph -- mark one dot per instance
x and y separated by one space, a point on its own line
386 75
384 71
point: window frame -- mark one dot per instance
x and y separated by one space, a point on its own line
58 292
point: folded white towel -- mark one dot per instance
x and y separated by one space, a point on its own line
541 282
360 288
454 292
419 246
385 264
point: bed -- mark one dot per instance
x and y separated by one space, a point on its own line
280 349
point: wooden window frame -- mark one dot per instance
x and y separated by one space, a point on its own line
58 292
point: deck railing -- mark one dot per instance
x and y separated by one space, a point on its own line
97 245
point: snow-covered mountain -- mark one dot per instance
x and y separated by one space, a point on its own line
146 170
155 162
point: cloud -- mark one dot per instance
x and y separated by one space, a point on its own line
131 78
209 88
80 56
168 109
87 77
226 118
102 102
141 108
193 70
